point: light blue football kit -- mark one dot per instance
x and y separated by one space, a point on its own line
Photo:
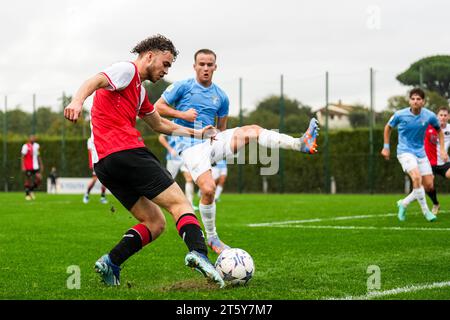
209 102
411 153
411 130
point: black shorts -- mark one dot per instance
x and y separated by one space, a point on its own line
441 170
130 174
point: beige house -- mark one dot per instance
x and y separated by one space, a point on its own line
338 115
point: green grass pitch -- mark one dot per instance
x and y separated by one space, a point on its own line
304 247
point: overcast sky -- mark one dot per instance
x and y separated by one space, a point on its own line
48 47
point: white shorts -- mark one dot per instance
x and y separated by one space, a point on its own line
217 172
173 166
410 161
198 158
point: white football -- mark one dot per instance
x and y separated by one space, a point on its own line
235 266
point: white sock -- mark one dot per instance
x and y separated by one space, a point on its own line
409 198
208 213
274 140
189 191
420 196
219 190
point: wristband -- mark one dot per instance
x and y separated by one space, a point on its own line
386 146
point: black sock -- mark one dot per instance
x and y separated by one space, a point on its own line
189 230
133 241
433 196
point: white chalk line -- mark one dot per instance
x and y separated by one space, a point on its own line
362 228
396 291
301 223
270 224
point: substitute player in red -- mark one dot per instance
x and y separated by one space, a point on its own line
127 168
432 148
32 166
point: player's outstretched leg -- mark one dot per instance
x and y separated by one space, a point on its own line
271 139
308 142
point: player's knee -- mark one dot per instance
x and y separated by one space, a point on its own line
416 180
208 189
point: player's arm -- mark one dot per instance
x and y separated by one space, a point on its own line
162 139
41 164
162 125
73 110
23 163
166 110
222 123
23 153
443 151
386 152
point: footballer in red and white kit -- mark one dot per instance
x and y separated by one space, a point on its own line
127 168
115 109
31 165
432 149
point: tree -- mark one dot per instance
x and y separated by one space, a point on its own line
435 74
433 101
19 122
398 102
359 117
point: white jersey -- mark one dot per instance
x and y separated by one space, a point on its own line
30 153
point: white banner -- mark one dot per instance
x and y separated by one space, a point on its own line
73 186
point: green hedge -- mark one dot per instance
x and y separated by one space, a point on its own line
348 159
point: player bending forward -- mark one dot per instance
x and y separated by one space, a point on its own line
127 168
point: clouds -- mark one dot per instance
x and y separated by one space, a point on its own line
49 47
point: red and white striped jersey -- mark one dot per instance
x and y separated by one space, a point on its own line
114 111
30 153
432 147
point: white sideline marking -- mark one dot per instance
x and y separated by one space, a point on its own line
270 224
298 223
412 288
361 228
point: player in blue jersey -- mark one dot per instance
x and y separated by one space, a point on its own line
174 164
412 123
211 104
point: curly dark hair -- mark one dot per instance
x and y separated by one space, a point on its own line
418 92
157 42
